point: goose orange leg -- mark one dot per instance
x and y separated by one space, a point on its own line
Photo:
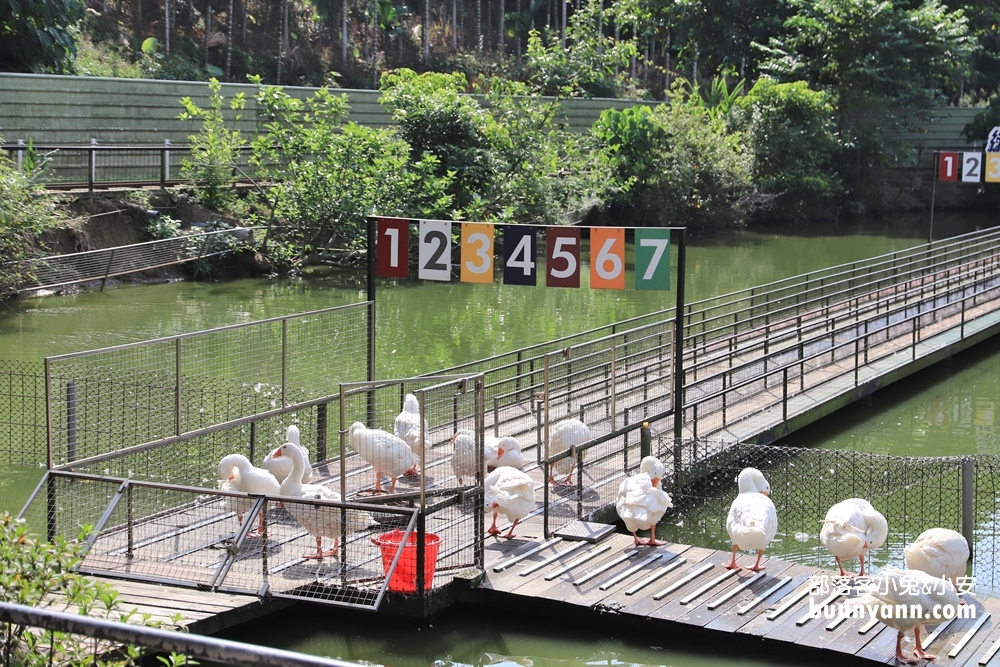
756 566
510 533
493 529
918 650
899 651
732 564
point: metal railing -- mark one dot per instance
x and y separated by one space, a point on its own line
93 166
161 641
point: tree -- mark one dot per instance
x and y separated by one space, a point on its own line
885 65
39 35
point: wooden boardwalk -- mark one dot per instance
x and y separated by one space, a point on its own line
676 590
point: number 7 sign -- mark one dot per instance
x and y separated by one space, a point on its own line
652 259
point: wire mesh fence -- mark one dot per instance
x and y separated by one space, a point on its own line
108 400
93 265
22 412
914 494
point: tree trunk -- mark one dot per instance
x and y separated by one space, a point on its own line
281 39
479 27
502 36
208 26
229 43
454 25
343 31
166 26
425 33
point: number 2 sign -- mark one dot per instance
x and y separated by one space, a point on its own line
434 255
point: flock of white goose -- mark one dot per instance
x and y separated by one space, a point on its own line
851 527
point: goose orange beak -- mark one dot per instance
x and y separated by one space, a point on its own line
277 453
655 481
499 452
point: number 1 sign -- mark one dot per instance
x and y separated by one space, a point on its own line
393 245
948 167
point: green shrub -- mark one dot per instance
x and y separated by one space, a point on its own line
214 150
25 211
676 164
41 574
791 132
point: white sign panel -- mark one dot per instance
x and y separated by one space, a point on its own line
972 167
434 255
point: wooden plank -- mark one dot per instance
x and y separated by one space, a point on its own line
643 602
756 620
988 633
729 617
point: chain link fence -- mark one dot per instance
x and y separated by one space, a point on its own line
22 412
107 400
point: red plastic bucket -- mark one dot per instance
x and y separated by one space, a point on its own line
404 579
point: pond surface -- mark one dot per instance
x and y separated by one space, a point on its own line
424 326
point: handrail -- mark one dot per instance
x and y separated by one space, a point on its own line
191 645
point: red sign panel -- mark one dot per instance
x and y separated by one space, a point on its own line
948 166
392 246
562 257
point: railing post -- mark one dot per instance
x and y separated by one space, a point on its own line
784 396
645 441
322 420
20 154
107 269
71 434
91 167
165 164
284 362
130 521
969 501
177 386
545 444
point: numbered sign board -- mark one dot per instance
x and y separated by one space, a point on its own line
392 243
562 257
434 250
992 168
972 167
520 252
948 166
652 259
477 253
607 258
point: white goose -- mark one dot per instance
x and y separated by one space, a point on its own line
236 473
407 427
752 522
850 529
319 521
900 589
463 461
641 502
383 451
281 467
939 552
567 433
505 451
509 492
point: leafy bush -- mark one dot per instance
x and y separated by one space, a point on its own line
215 149
326 177
435 118
676 164
791 131
25 211
40 574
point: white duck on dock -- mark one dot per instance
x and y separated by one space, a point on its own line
641 502
281 467
564 435
510 492
505 451
386 453
319 521
236 473
851 528
940 552
752 522
407 427
463 460
920 594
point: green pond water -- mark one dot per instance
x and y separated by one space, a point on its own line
948 409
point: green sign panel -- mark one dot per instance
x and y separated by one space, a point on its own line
652 259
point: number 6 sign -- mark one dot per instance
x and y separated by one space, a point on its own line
607 258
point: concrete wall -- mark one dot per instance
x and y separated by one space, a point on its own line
73 110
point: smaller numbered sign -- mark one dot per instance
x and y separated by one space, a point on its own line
992 168
520 253
477 253
972 167
948 166
607 258
434 256
652 259
562 257
392 245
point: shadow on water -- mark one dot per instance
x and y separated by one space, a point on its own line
479 636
